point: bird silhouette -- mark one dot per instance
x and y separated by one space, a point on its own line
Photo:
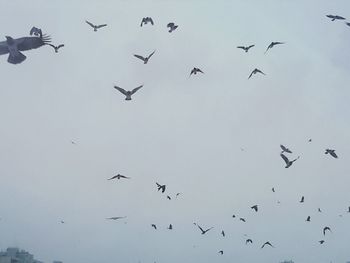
129 92
287 161
223 233
56 48
171 27
255 207
302 199
331 152
273 44
95 27
267 244
62 222
168 197
154 226
255 71
115 217
146 20
145 59
170 227
319 210
194 71
308 219
348 209
233 216
161 187
335 17
118 176
285 149
242 219
325 229
221 252
249 241
246 49
321 241
202 230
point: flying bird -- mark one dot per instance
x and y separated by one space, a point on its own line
36 32
319 210
287 161
273 189
161 187
118 176
95 27
249 241
13 47
171 27
325 229
308 219
168 197
194 71
331 152
221 252
223 233
321 241
255 71
144 59
115 217
246 49
255 207
285 149
177 194
333 17
145 21
170 227
242 219
129 92
302 199
273 44
267 244
154 226
203 231
56 48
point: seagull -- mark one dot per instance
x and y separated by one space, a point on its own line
308 219
325 229
171 27
161 187
273 44
267 243
145 21
285 149
256 71
287 161
36 32
145 59
331 152
335 17
56 47
118 176
203 231
14 46
242 219
249 241
95 27
129 92
116 217
302 199
321 241
223 233
170 227
255 207
221 252
194 71
246 49
154 226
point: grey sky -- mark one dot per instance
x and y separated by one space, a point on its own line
180 131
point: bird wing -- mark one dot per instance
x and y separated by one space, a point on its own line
59 46
283 147
279 43
199 70
143 20
103 25
333 154
151 54
285 158
136 89
251 46
259 71
91 24
121 90
151 20
251 74
27 43
170 25
113 177
3 48
140 57
347 23
270 46
241 47
201 228
52 45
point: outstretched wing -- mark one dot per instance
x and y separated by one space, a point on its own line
285 158
136 89
200 228
91 24
59 46
251 46
121 90
270 46
251 74
143 21
99 26
170 25
151 54
333 154
139 57
151 20
241 47
3 48
27 43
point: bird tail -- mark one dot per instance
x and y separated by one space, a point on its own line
16 57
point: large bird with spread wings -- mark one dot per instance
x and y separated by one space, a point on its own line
14 46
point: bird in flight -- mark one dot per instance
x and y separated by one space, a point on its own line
333 17
246 49
177 194
168 197
194 71
302 199
321 241
255 71
242 219
144 59
287 161
14 46
56 48
325 229
118 176
319 210
128 93
285 149
171 27
331 152
267 244
95 27
202 230
154 226
145 21
255 207
223 233
221 252
249 241
349 209
115 217
308 219
170 227
273 44
273 189
161 187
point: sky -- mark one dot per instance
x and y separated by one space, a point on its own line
213 137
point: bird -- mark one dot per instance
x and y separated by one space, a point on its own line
273 189
95 27
56 47
308 219
195 70
203 231
285 149
331 152
310 140
144 59
14 46
233 216
302 199
221 252
319 210
154 226
255 207
335 17
246 49
242 219
170 227
129 92
145 21
273 44
115 217
62 222
249 241
168 197
267 243
177 194
36 32
118 176
349 209
256 71
321 241
171 27
161 187
223 233
287 161
325 229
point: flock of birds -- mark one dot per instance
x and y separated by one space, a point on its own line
15 47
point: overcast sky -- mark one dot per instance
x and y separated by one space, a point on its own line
213 137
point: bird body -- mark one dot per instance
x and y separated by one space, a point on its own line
249 241
115 217
285 149
255 207
267 244
154 226
161 187
128 93
202 230
170 227
221 252
194 71
302 199
273 44
335 17
325 229
223 233
308 219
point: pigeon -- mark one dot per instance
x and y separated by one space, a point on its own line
331 152
255 207
246 49
203 231
161 187
325 229
268 244
194 71
287 161
95 27
115 217
221 252
145 59
36 32
145 21
171 27
223 233
129 92
118 176
321 241
154 226
308 219
302 199
273 44
333 17
14 46
285 149
256 71
56 47
242 219
170 227
249 241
